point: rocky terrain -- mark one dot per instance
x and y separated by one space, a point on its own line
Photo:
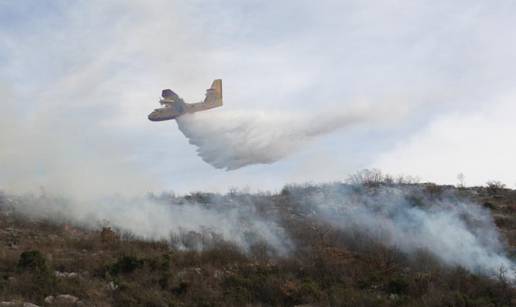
52 262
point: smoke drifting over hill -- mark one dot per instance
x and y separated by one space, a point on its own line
452 230
455 231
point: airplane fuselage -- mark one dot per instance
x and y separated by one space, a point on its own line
168 112
173 106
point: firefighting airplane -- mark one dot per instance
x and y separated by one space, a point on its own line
174 106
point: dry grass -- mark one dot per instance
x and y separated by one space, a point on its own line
329 268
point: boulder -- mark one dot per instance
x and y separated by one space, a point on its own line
66 299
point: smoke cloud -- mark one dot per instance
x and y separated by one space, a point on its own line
231 140
57 150
186 224
455 231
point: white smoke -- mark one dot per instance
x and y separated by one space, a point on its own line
231 140
457 232
185 224
62 153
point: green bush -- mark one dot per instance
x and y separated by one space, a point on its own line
32 261
125 264
37 279
398 285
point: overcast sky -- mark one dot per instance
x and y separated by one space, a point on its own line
78 79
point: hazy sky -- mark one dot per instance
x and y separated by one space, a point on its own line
78 79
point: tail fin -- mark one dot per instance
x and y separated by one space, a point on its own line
214 94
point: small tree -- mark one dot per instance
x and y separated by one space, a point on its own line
495 187
42 280
369 177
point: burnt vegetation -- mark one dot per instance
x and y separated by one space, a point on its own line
328 266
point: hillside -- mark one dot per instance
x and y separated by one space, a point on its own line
368 244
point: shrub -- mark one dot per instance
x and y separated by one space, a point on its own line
494 187
107 235
370 178
32 261
398 285
36 280
125 264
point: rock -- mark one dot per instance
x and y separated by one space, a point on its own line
17 304
112 286
189 272
66 274
66 299
218 274
49 299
